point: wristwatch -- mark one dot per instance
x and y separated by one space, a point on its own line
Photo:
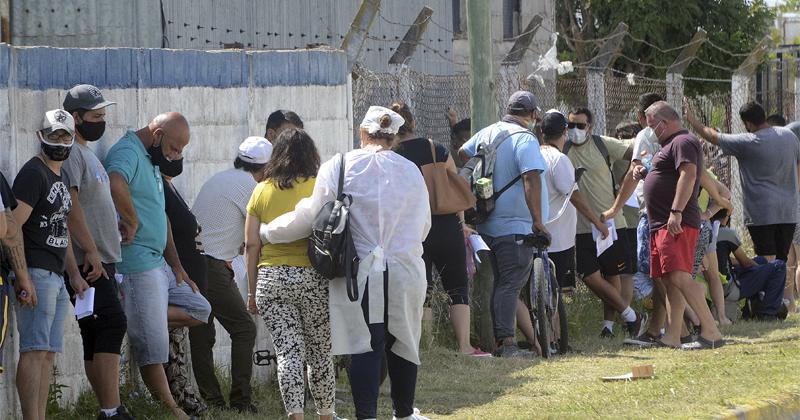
675 211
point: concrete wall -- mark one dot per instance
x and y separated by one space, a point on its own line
226 96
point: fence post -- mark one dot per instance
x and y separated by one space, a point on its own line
355 37
595 76
509 76
398 63
740 95
679 66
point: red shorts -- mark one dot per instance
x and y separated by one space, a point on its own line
670 253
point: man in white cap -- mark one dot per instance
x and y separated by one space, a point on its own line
221 208
43 204
97 248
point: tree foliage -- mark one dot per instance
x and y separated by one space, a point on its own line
734 25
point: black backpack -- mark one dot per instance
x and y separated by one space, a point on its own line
330 246
482 166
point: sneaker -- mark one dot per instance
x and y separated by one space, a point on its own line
635 327
122 414
513 351
479 353
688 339
701 343
606 333
414 416
644 340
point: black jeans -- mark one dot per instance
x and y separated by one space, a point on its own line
365 377
365 369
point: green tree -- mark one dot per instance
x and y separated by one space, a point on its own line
733 25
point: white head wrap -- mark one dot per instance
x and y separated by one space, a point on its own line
372 121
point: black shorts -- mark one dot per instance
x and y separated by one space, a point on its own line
629 250
444 250
103 331
565 267
772 239
609 263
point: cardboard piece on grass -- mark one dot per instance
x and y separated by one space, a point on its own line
638 372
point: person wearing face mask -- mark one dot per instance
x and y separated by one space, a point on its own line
601 273
520 210
768 162
221 209
158 291
43 205
97 248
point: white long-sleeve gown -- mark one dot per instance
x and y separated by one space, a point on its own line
390 217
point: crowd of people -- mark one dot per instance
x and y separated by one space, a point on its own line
117 231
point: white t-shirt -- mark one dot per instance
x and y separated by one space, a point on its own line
560 177
641 149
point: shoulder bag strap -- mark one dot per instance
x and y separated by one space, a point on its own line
340 188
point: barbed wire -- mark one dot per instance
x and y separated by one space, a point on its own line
715 46
705 79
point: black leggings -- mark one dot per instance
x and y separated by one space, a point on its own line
445 249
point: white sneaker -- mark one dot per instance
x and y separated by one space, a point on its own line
414 416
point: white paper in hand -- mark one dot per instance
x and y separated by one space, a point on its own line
85 306
604 244
477 243
632 201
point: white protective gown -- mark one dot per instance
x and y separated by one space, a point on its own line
390 217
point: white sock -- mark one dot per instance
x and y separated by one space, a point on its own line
663 331
109 411
609 325
629 314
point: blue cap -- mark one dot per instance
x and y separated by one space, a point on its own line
522 100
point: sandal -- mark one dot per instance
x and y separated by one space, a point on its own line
702 344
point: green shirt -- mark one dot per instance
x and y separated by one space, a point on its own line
130 159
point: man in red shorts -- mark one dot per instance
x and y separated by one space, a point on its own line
670 190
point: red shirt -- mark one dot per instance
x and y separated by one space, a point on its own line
662 179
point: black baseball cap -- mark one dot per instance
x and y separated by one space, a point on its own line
553 124
522 100
85 97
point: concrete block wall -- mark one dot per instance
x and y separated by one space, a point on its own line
225 95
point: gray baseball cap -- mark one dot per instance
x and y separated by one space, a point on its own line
523 100
85 97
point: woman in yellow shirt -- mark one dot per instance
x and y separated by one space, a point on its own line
290 295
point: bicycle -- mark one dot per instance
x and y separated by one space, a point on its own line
546 306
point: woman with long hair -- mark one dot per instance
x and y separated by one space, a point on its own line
388 225
288 293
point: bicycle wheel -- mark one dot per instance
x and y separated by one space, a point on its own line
563 339
543 330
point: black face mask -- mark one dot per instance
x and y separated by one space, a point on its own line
167 167
91 131
56 153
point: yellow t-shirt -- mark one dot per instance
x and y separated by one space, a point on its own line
267 203
703 198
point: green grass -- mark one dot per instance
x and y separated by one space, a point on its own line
759 364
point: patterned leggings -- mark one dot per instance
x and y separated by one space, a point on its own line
294 304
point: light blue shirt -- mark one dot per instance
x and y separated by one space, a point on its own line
130 159
517 155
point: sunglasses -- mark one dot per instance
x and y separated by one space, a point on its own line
579 126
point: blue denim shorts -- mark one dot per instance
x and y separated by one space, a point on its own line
41 328
145 298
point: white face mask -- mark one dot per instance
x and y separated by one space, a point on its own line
650 134
577 136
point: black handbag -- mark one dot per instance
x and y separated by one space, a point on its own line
330 246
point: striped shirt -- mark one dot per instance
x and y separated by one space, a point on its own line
220 208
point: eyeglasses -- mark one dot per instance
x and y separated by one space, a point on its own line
579 126
62 137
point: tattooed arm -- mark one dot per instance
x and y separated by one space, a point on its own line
14 249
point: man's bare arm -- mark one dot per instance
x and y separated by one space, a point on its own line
123 202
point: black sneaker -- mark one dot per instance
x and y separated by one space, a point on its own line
688 339
513 351
245 409
606 333
122 414
635 327
644 340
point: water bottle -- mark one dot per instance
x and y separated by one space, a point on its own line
646 160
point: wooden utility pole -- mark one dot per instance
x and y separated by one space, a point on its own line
483 109
482 101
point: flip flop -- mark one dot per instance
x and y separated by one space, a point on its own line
662 345
702 344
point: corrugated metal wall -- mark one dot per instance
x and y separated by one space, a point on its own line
209 24
86 23
281 24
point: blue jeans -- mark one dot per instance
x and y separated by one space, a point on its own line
41 328
512 264
145 298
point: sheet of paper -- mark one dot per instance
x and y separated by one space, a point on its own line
604 244
477 243
85 306
118 278
632 201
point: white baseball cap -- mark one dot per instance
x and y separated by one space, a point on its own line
58 119
255 149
